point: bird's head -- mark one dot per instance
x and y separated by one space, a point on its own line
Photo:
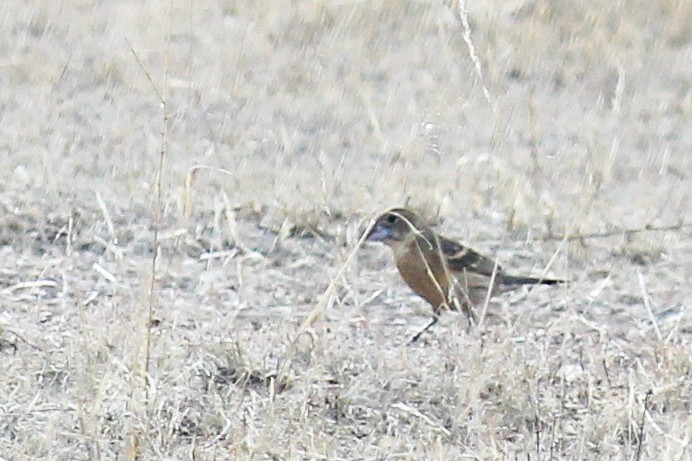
394 226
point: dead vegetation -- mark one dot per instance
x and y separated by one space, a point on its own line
229 312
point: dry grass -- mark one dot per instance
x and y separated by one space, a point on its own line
300 121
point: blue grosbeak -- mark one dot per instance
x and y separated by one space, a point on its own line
444 273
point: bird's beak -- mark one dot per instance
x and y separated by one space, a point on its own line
379 234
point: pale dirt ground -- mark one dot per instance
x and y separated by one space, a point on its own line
323 113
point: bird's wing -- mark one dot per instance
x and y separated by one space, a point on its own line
461 258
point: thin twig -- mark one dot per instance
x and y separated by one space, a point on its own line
647 304
159 96
106 216
464 18
189 180
641 425
489 294
415 412
619 232
157 207
325 301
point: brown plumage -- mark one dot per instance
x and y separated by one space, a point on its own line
444 273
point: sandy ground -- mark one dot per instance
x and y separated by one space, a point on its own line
541 138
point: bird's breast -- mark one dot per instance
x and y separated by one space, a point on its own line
424 272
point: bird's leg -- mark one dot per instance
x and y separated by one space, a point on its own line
434 320
473 319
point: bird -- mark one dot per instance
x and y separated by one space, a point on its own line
448 275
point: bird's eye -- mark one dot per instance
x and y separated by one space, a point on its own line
391 219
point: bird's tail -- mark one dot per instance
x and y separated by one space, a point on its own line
517 280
